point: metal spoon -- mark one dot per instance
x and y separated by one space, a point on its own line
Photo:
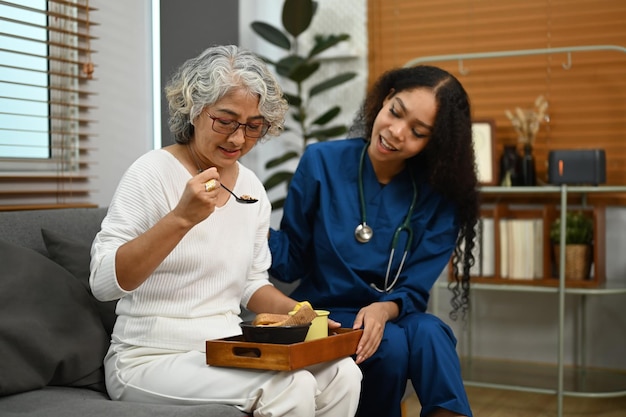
243 199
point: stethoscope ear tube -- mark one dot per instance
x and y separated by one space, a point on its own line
363 233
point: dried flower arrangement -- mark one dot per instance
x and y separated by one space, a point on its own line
526 122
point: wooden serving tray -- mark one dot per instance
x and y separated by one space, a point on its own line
234 352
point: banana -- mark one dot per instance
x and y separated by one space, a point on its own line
300 304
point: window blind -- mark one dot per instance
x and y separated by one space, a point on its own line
45 71
587 99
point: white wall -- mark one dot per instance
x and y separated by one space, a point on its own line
123 88
518 326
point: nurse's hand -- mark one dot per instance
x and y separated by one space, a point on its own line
373 319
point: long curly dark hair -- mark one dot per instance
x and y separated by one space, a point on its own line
448 157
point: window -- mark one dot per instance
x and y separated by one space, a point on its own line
45 66
24 109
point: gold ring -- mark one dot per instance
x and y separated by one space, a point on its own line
210 185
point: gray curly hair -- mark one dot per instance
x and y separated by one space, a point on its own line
205 79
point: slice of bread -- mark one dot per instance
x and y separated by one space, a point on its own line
303 315
269 319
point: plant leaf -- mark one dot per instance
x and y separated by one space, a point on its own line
323 43
332 82
293 100
277 204
297 16
325 134
303 71
288 64
328 116
266 60
298 116
274 162
296 68
578 228
277 179
271 34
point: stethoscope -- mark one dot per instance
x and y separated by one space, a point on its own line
363 232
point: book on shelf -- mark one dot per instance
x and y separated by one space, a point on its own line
483 251
503 229
538 248
488 259
521 248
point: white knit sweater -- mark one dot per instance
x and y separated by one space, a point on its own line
196 292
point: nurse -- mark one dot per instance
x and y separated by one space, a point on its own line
370 223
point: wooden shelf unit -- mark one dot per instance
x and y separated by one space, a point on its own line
548 213
517 203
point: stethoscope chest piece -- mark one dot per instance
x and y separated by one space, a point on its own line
363 233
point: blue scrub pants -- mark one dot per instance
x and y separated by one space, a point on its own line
419 347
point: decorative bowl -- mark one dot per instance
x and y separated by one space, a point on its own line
282 335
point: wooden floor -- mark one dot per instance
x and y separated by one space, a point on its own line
488 402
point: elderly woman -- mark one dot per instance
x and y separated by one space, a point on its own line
182 254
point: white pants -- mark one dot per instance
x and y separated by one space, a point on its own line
164 376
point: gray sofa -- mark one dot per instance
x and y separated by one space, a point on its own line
53 333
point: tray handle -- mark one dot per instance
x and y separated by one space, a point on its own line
246 352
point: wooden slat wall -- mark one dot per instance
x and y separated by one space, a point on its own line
587 103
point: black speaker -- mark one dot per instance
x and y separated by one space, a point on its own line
577 166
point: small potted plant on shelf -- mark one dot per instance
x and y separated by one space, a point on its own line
578 244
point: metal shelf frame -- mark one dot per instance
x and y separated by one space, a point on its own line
561 290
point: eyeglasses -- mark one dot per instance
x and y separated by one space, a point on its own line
253 130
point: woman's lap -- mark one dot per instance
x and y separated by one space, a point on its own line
152 375
161 376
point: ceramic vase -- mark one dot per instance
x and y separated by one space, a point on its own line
528 175
510 167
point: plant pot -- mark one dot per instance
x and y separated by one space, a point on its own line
577 261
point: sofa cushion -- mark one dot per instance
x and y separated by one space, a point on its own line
50 332
23 227
75 256
75 402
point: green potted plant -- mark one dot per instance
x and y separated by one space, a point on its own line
578 244
298 67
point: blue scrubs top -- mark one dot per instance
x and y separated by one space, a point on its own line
316 241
